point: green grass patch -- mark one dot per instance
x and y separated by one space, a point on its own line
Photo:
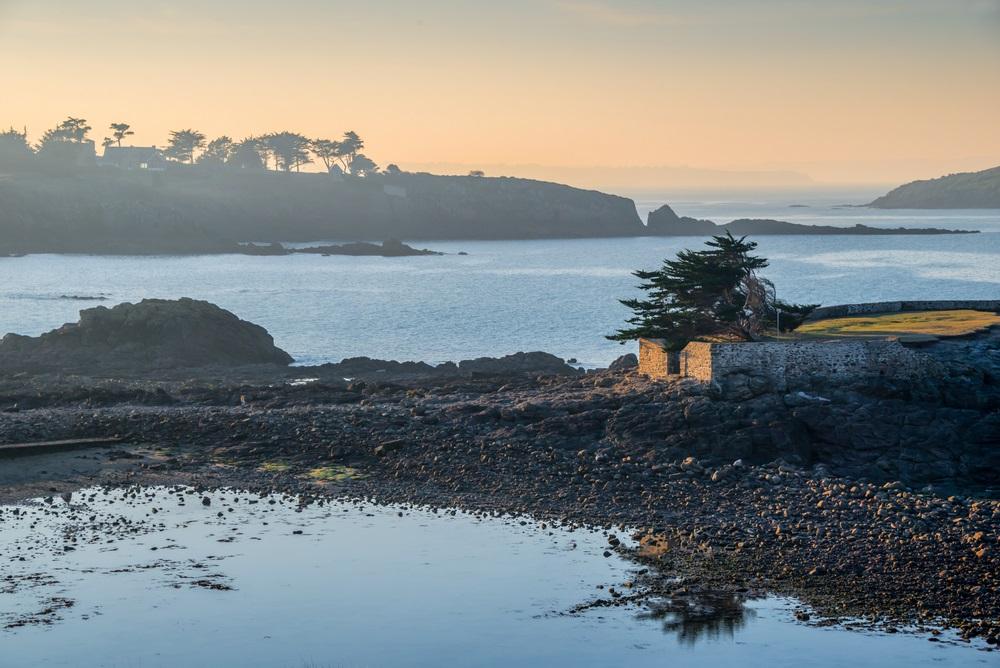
927 323
335 473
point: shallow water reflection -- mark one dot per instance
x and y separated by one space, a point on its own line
173 577
707 616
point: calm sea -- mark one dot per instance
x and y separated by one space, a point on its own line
560 296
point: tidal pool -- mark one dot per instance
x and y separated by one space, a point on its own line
173 577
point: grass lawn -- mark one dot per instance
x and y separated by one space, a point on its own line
919 323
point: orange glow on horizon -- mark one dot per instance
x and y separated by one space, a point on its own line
841 96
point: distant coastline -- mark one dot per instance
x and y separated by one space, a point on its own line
969 190
192 210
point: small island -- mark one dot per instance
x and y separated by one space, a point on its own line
388 248
665 223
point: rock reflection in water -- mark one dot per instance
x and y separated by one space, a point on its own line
700 616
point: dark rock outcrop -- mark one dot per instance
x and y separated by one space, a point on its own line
534 362
388 248
625 363
752 226
518 364
665 223
153 334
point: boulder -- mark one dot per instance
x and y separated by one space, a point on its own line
625 363
518 363
154 334
361 367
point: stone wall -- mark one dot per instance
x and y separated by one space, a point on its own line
696 360
653 358
842 310
784 363
790 362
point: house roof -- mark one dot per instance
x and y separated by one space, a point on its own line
131 152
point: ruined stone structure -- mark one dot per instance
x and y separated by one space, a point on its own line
784 363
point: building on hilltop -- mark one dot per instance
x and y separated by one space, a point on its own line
132 158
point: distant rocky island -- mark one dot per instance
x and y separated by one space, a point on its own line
664 222
969 190
388 248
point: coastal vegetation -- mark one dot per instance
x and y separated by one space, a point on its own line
959 322
715 293
284 150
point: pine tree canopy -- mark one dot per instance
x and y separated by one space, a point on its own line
708 293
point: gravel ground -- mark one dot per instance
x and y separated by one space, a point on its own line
667 463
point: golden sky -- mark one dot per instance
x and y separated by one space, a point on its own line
875 91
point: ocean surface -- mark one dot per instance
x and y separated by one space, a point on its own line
560 296
154 577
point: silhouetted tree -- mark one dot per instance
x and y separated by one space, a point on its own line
393 170
119 131
217 152
72 130
477 173
14 148
326 150
247 154
67 145
290 150
362 165
182 145
713 293
350 147
107 141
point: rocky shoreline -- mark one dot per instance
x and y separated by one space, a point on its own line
867 497
607 448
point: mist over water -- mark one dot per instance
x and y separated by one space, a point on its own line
558 296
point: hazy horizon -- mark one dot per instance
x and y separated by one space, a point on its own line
859 93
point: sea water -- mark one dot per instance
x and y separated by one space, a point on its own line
559 296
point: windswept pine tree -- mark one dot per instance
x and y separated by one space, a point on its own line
714 293
119 131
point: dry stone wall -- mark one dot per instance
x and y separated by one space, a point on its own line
784 363
789 362
653 358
